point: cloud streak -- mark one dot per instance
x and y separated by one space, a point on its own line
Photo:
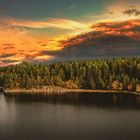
50 23
7 55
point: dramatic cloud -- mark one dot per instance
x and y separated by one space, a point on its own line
106 39
50 23
132 12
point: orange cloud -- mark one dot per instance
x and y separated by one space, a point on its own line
21 42
128 28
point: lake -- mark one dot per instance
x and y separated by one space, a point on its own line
70 117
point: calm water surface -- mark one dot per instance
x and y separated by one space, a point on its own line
70 117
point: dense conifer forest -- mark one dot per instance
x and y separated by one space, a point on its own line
115 73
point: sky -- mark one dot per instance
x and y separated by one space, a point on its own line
57 30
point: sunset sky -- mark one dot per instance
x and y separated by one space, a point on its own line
57 30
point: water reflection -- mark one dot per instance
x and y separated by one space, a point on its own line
70 117
83 99
8 110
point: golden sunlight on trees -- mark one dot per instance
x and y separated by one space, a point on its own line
116 85
70 84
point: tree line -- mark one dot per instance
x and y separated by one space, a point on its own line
115 73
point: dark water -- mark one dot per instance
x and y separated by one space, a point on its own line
70 117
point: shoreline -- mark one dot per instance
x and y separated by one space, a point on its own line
63 91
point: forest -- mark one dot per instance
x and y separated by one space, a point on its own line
105 74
